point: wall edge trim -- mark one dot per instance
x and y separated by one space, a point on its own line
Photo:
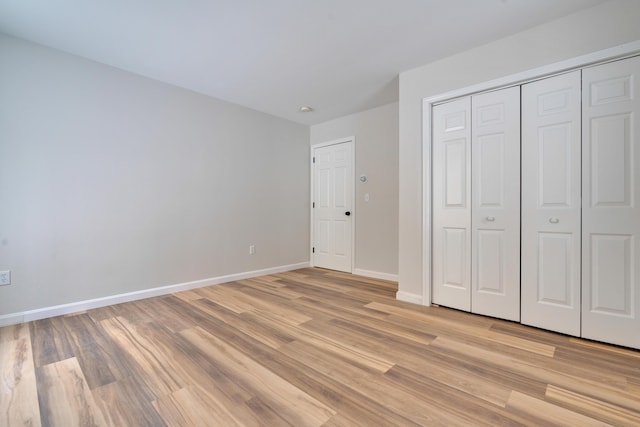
375 274
409 297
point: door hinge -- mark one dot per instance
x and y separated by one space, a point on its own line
314 204
313 250
314 159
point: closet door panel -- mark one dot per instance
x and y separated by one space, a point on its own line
490 263
495 212
555 256
551 239
611 193
451 204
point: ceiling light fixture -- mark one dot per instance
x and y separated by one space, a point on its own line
306 109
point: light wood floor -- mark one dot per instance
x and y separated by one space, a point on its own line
306 348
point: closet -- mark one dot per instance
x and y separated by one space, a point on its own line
535 203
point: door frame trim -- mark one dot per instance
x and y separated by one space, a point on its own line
351 140
561 67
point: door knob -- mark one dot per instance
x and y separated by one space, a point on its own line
347 213
491 219
554 220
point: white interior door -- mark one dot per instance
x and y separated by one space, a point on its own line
551 185
495 204
610 198
452 204
333 206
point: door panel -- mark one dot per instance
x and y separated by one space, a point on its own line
490 262
322 237
611 274
611 163
454 257
451 204
610 214
495 212
551 203
333 187
554 269
455 173
491 174
555 163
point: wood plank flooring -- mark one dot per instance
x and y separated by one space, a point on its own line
310 347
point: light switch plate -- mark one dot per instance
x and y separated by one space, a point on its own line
5 277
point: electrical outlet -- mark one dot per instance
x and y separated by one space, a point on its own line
5 277
252 249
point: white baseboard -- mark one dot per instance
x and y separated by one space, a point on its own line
11 319
375 274
409 297
58 310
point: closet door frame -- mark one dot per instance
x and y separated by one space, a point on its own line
602 56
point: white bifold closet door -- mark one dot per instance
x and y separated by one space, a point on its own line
610 199
495 204
551 188
476 204
452 204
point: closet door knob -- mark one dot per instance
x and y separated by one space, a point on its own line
490 219
554 220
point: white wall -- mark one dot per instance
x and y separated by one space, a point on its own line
376 133
113 183
608 25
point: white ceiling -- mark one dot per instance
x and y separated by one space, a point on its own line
338 56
